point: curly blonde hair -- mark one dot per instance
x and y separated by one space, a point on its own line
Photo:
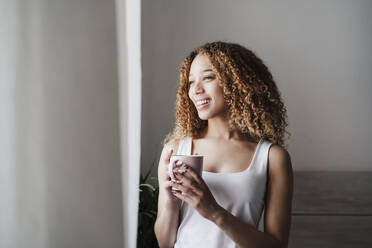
253 100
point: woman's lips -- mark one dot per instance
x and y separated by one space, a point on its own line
203 106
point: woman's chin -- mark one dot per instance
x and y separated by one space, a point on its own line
204 116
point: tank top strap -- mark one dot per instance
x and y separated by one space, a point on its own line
184 146
261 157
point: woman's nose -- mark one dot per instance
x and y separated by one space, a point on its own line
198 87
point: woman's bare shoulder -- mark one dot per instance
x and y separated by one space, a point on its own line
279 160
171 144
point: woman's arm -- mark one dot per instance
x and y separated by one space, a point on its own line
167 219
278 205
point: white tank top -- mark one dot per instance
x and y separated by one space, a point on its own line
241 193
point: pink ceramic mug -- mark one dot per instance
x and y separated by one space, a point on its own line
194 161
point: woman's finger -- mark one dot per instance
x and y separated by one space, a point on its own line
185 180
184 189
169 154
195 175
168 184
189 183
183 197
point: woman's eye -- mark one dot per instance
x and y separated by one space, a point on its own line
204 78
210 77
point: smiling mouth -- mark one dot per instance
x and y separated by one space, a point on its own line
203 104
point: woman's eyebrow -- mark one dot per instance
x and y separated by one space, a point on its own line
203 71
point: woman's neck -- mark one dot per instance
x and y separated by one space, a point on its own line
210 132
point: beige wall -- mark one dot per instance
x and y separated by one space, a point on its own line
320 55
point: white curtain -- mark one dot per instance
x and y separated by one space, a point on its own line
70 102
129 45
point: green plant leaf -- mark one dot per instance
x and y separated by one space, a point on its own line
148 215
153 212
148 186
147 212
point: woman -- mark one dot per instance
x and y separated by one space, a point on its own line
229 110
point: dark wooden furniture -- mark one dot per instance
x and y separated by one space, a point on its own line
332 209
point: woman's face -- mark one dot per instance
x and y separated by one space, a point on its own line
204 85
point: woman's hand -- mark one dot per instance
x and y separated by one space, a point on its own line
167 183
198 194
